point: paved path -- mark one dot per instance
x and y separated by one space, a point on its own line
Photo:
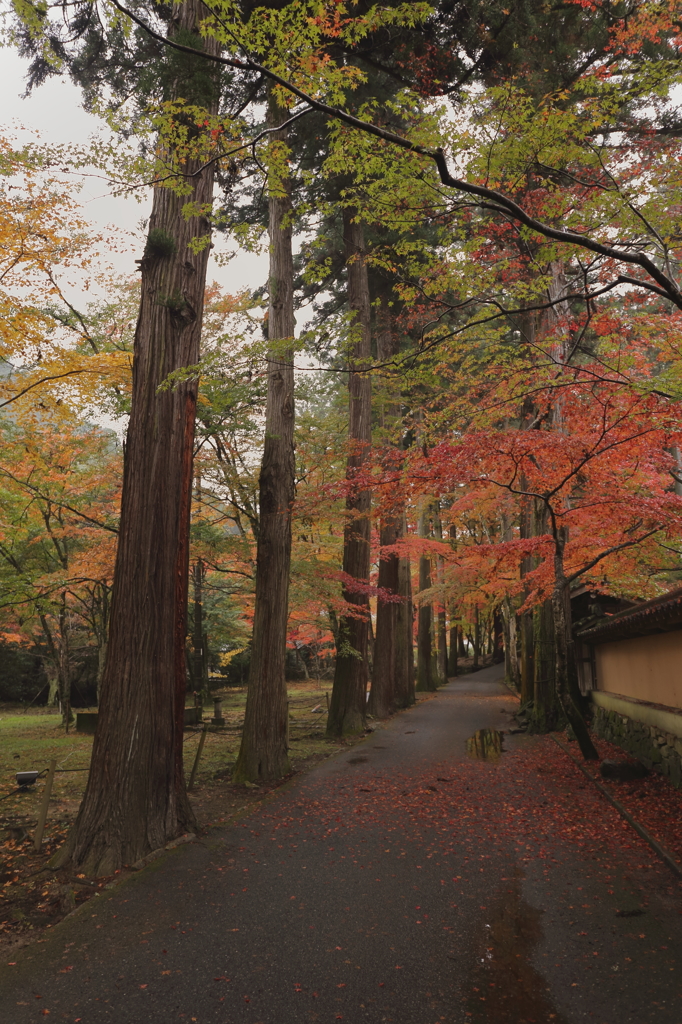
399 881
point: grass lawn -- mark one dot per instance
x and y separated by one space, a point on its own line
32 895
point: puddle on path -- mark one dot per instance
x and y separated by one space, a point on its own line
504 986
485 745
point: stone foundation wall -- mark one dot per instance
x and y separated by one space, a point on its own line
658 751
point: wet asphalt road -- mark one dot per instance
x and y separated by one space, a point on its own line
363 892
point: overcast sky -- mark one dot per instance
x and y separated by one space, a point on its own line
55 112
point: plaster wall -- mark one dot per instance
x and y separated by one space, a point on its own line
647 668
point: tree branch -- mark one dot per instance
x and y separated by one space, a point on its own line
502 202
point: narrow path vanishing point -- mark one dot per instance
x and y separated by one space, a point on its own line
402 881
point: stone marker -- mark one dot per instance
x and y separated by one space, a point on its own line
217 712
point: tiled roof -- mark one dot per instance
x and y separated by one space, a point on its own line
660 615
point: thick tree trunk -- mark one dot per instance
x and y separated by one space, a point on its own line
382 694
511 661
566 680
434 645
454 627
454 644
347 708
556 614
404 660
135 800
527 525
369 664
442 660
528 620
546 711
425 675
263 754
440 622
511 664
387 647
527 673
498 637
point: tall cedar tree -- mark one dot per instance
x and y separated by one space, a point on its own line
347 706
135 800
425 676
263 752
391 673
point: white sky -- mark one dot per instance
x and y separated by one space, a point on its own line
55 112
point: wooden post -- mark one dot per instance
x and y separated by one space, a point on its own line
43 807
198 757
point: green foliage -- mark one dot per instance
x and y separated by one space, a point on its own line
173 301
199 80
159 245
